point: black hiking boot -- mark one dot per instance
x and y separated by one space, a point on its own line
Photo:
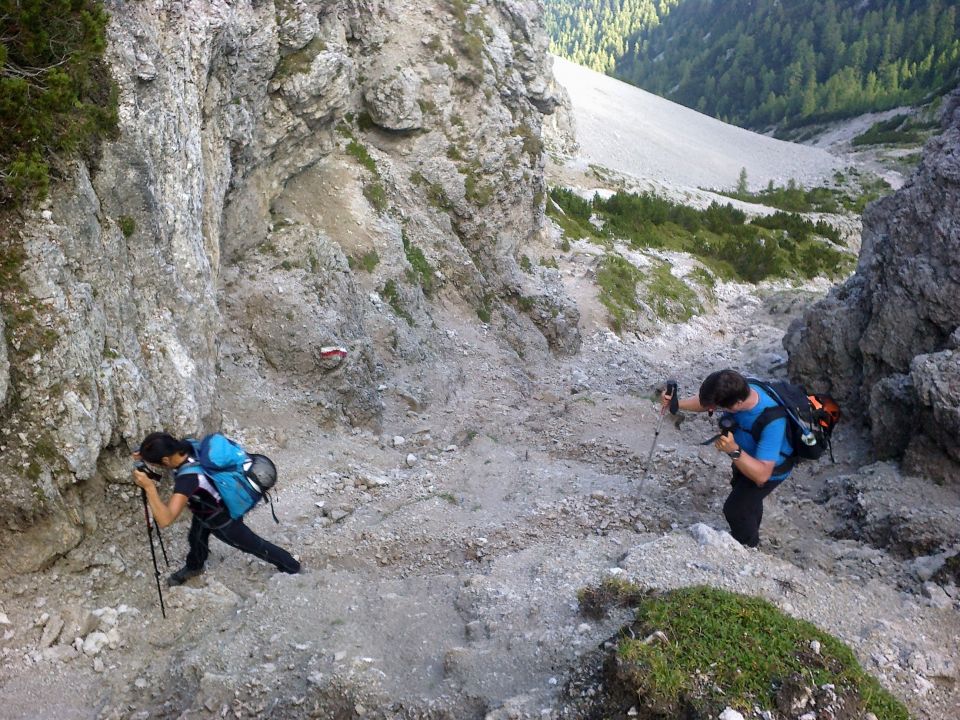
181 576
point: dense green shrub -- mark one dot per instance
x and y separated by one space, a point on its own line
799 227
721 238
577 229
56 96
898 130
571 203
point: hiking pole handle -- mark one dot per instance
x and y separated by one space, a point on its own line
673 392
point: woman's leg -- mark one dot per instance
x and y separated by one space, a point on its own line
238 535
199 539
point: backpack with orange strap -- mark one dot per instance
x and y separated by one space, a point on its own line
810 418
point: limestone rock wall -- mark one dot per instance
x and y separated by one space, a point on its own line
886 342
288 175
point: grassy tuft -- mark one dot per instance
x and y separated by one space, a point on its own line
595 602
376 195
670 297
366 262
127 225
422 270
362 156
727 649
391 292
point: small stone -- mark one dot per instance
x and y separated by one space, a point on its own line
730 714
398 441
51 631
411 460
584 628
94 642
815 647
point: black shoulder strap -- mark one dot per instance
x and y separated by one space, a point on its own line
766 417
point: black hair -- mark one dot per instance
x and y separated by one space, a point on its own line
724 388
158 445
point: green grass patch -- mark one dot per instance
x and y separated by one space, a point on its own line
391 293
436 195
366 262
373 191
728 649
478 192
670 297
484 312
299 61
422 269
617 279
127 225
376 195
362 156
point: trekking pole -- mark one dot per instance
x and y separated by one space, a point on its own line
153 552
674 407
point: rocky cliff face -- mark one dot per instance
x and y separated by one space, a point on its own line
288 175
887 342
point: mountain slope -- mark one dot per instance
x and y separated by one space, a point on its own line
636 132
768 63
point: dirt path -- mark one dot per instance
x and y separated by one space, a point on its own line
442 568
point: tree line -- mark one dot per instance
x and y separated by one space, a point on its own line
766 62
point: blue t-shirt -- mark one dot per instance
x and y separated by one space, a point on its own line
773 443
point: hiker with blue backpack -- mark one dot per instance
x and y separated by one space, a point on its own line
214 507
765 429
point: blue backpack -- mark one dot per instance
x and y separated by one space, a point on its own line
233 473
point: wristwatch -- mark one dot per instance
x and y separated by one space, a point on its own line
735 454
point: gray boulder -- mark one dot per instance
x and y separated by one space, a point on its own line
883 343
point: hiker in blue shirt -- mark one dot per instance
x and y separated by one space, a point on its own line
194 490
760 463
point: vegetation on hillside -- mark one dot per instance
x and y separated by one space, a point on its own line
769 63
795 199
56 96
780 245
596 33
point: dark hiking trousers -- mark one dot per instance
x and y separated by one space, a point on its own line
238 535
744 508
